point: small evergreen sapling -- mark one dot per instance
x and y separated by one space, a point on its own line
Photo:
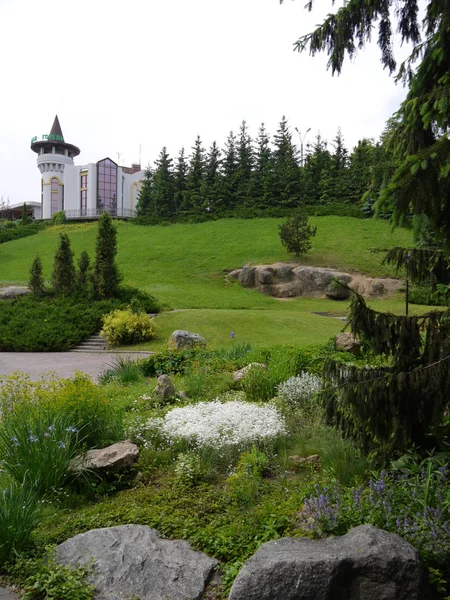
36 281
296 233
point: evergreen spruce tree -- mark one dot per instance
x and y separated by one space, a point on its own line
229 180
261 184
286 175
195 192
296 233
36 280
145 201
317 180
84 263
180 182
363 162
245 159
63 274
106 276
163 197
212 178
339 170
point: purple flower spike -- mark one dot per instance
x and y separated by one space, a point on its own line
232 334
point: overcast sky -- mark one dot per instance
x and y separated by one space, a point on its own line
160 72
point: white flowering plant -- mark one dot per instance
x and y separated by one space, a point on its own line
299 395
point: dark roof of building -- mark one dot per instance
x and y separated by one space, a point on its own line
56 128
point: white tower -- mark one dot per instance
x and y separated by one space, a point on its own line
53 155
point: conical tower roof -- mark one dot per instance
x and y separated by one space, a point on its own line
54 140
56 128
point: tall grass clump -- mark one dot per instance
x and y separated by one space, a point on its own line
261 384
19 514
125 371
36 450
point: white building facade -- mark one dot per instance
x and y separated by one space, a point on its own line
83 191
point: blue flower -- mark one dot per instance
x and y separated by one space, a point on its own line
62 445
232 334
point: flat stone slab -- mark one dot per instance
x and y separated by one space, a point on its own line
133 561
6 594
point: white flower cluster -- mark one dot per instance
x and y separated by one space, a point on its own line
298 390
219 424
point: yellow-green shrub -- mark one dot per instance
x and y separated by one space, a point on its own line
86 403
127 327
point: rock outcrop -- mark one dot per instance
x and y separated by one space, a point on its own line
346 342
132 561
365 564
283 280
184 339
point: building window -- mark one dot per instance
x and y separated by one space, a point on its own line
54 195
83 193
107 186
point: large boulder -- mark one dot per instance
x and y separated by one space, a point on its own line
365 564
13 291
247 276
184 339
132 561
121 455
164 387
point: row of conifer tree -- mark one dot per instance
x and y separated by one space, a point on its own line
261 175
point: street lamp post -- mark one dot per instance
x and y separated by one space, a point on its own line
302 139
407 259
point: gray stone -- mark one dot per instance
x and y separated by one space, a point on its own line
334 291
364 564
122 455
242 373
164 387
265 275
292 289
184 339
234 274
247 276
13 291
133 561
346 342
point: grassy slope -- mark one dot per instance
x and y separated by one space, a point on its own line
184 266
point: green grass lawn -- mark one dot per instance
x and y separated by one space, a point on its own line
185 265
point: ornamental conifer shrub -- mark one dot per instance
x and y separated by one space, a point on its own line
106 276
36 281
63 276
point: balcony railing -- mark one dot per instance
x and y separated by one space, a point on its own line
93 213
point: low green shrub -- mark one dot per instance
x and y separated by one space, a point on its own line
58 218
49 324
122 327
85 404
172 362
44 578
260 384
17 231
19 514
148 303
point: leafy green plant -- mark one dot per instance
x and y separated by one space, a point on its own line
19 514
44 578
36 449
59 218
127 327
260 384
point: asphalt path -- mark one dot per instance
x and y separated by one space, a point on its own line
63 364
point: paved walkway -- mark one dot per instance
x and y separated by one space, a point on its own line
62 363
6 594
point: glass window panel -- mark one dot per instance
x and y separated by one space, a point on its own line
101 178
101 169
